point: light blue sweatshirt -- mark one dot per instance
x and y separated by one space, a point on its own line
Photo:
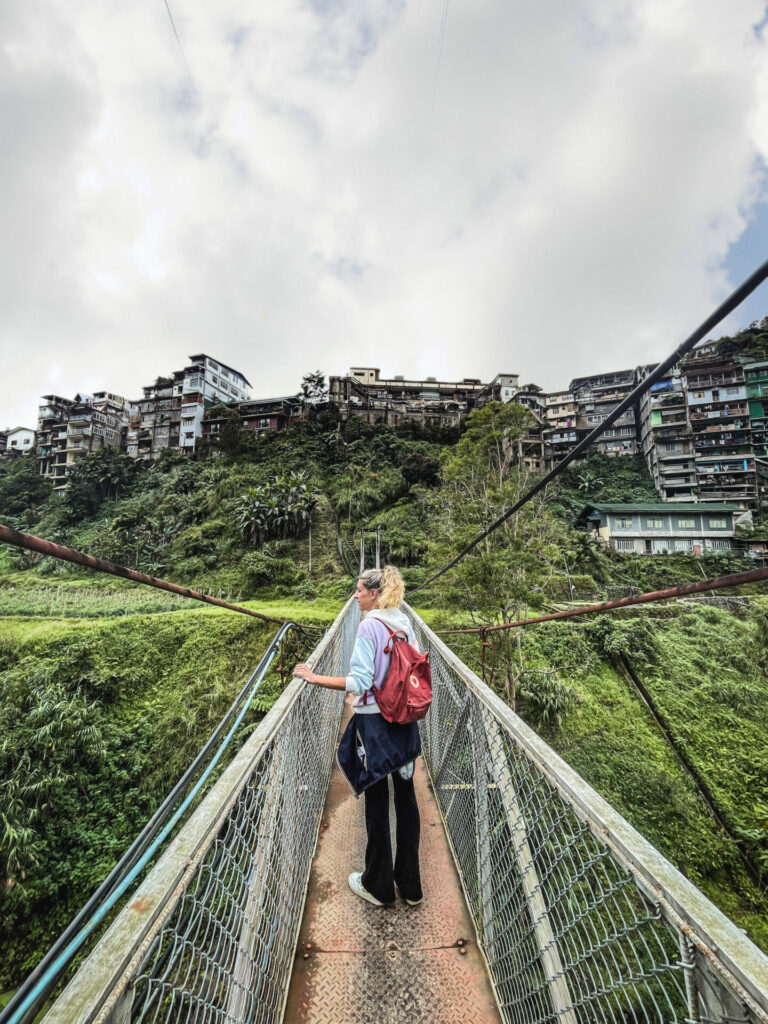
369 664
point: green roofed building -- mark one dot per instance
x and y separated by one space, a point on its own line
656 529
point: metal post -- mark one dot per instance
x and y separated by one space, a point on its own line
378 546
362 550
310 546
567 573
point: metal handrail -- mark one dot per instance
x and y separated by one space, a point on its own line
37 986
130 960
548 811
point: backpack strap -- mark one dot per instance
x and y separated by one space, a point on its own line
393 635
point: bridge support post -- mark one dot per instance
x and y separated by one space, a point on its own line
482 829
708 998
549 950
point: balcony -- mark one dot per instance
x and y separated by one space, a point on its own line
699 382
726 411
680 453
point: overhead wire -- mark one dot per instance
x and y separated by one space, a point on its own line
439 51
181 48
726 307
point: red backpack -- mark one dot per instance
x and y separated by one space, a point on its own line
407 691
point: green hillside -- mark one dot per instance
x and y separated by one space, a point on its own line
108 690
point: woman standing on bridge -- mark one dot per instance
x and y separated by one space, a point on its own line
373 749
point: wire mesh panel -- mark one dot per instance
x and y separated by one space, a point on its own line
580 919
222 943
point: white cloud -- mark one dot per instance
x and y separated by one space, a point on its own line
567 206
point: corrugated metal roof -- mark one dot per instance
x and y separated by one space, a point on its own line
669 506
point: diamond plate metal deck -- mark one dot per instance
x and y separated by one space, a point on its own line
386 965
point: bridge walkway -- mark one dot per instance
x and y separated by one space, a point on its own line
360 964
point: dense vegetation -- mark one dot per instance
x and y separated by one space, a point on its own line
107 692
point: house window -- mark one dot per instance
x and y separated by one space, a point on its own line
670 447
686 524
624 522
683 545
720 545
624 544
718 524
654 523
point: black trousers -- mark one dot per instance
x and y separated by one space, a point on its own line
380 873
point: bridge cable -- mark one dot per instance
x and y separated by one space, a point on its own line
735 580
47 547
734 300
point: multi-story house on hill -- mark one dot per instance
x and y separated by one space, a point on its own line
155 420
70 428
16 441
719 416
365 393
559 432
756 380
257 415
665 436
51 446
596 397
170 413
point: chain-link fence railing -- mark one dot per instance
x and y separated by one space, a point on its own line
210 934
580 919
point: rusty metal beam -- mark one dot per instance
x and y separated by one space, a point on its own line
47 547
735 580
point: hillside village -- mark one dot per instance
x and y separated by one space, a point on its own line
702 429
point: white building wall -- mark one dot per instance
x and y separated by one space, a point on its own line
21 439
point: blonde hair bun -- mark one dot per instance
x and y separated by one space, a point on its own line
388 582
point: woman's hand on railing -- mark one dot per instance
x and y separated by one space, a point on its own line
331 682
305 672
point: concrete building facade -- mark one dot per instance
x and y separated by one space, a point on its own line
596 397
665 436
718 412
170 413
365 393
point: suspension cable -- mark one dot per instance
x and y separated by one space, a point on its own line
735 580
47 547
735 299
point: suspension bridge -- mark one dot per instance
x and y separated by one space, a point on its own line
542 903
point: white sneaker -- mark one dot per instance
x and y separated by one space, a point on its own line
356 885
411 903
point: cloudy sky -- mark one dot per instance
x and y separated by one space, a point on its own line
548 187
